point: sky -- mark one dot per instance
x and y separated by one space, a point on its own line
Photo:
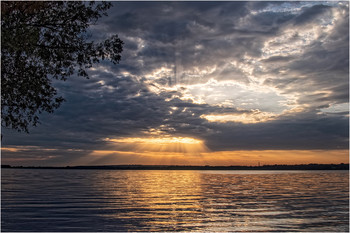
204 83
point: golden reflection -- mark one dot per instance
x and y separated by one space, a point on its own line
154 199
213 201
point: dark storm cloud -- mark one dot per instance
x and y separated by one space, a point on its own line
42 156
306 133
310 13
117 101
274 59
195 31
320 74
119 107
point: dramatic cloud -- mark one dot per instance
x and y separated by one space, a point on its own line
235 75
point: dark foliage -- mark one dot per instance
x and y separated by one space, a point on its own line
41 41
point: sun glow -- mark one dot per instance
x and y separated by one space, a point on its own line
213 158
160 144
163 141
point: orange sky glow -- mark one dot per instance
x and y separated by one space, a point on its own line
185 151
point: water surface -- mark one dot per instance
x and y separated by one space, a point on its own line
132 200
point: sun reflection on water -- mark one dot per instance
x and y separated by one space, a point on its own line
194 200
134 200
169 200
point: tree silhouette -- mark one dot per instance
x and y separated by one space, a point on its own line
42 41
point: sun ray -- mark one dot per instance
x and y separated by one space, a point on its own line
161 144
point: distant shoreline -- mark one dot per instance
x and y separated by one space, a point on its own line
341 166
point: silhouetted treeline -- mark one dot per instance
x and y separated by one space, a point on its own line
341 166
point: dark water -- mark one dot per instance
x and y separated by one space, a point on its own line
99 200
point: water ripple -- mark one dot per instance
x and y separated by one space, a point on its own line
91 200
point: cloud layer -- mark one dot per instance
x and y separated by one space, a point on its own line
276 72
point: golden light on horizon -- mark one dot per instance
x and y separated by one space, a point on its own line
160 144
166 153
163 140
215 158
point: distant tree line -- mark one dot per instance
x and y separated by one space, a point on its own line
340 166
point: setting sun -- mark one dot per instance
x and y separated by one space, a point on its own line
160 144
221 116
161 141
